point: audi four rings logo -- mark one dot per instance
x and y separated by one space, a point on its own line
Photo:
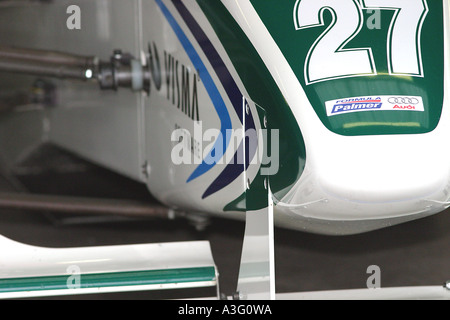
403 100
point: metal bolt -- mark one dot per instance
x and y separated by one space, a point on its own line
117 54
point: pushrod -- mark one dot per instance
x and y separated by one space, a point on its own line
80 205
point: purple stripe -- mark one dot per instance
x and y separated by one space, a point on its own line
214 58
234 169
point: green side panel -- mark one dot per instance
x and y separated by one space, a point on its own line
120 279
278 17
265 93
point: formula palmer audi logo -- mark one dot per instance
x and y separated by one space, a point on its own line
374 104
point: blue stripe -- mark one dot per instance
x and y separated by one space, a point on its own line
233 170
220 106
214 58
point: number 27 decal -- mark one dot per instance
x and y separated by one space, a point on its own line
327 59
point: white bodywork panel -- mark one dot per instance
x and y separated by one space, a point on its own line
62 271
130 133
400 187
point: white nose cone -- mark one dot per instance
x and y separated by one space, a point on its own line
382 169
356 184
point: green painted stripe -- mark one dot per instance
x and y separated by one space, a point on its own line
118 279
263 90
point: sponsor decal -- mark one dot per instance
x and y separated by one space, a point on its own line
374 103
